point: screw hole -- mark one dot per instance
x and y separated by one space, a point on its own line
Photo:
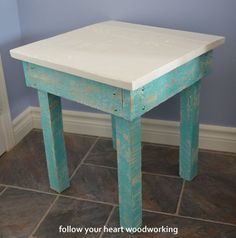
142 89
115 110
144 107
114 94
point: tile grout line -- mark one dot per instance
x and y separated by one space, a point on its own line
60 195
43 217
207 220
84 158
107 221
99 166
1 193
188 217
143 172
162 175
29 189
88 200
180 198
116 205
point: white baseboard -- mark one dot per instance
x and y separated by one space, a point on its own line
23 124
155 131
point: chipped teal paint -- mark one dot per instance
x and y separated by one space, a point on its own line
137 102
97 95
189 131
117 101
113 123
128 135
54 141
126 108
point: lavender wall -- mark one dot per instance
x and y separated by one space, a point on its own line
10 37
42 18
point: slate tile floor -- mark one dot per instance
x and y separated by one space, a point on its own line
205 207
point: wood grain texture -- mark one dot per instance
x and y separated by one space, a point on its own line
189 131
119 54
142 100
125 70
97 95
117 101
129 171
54 141
126 108
113 123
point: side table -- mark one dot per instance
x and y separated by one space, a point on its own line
126 70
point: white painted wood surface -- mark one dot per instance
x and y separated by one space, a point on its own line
117 53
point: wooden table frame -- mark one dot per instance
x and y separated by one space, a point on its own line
126 108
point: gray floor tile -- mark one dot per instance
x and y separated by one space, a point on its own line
160 159
155 158
103 154
212 194
161 193
96 183
25 164
20 211
187 228
74 213
217 163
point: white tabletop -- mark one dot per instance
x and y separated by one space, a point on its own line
120 54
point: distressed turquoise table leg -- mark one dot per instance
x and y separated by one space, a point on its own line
54 141
113 122
189 131
128 135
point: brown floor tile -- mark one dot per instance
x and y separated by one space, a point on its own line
155 158
96 183
25 164
160 159
217 163
187 228
161 193
212 194
71 212
20 211
103 154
